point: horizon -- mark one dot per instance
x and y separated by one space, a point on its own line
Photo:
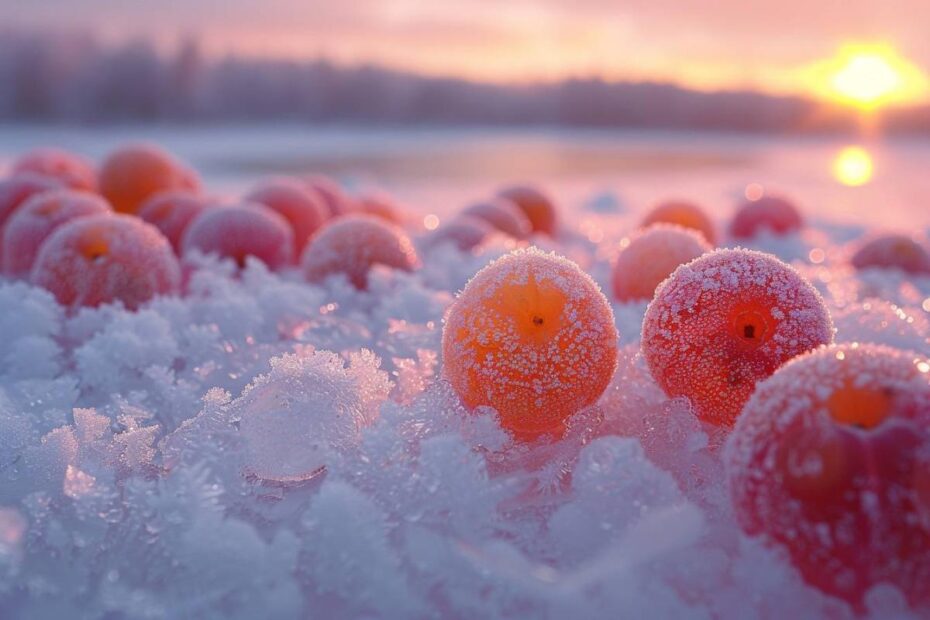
742 48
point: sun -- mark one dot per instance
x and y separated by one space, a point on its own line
868 76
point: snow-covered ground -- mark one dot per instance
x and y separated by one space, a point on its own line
266 448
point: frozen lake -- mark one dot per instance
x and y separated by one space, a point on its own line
438 169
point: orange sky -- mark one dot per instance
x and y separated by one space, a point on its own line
708 44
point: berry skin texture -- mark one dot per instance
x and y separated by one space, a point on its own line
503 215
830 461
134 173
682 213
379 205
772 213
893 252
72 170
532 336
537 207
101 259
723 322
241 230
652 255
336 200
15 190
37 218
304 210
172 212
352 245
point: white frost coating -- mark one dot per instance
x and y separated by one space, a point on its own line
792 453
710 332
308 406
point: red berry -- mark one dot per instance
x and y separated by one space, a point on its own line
352 245
304 209
651 256
241 230
893 252
537 207
172 212
37 218
336 200
723 322
15 190
100 259
829 460
381 206
772 213
532 336
503 215
463 232
72 170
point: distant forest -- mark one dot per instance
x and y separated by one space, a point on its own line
68 77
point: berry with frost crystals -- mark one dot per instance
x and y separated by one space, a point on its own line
682 213
172 212
464 232
726 320
537 207
101 259
379 205
770 213
239 231
17 189
72 170
502 214
336 200
652 255
533 337
829 460
303 209
352 245
37 218
893 252
134 173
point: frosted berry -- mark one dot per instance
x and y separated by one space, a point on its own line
100 259
463 232
683 213
893 252
336 200
828 461
172 212
134 173
532 336
72 170
239 231
37 218
769 213
537 207
503 215
352 245
723 322
651 256
15 190
304 209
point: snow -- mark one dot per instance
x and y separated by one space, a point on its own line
265 447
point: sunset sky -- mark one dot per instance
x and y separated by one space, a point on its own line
771 45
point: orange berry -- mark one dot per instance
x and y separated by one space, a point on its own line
379 205
537 207
532 336
464 232
100 259
38 218
725 321
336 200
652 255
72 170
685 214
352 245
134 173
